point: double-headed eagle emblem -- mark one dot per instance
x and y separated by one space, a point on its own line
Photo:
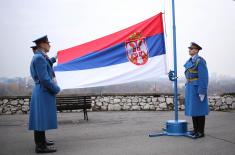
136 49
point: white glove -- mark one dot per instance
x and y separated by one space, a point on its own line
56 56
201 96
54 79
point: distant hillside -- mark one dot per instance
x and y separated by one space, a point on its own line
23 86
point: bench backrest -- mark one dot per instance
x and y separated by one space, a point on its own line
73 102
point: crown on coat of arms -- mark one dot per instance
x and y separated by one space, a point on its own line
135 36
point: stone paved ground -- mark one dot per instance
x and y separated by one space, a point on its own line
120 133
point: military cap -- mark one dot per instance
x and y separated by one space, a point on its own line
43 39
34 47
194 45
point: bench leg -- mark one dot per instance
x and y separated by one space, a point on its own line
85 114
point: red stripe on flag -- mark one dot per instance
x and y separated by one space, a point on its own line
147 28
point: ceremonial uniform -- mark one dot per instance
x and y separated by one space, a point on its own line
196 101
43 100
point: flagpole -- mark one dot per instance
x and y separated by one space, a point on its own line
174 127
175 63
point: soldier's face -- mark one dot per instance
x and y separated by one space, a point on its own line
193 51
46 46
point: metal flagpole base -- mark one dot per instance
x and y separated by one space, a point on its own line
174 128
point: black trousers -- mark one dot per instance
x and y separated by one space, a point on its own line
199 123
39 138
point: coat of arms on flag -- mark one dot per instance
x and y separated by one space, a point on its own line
136 48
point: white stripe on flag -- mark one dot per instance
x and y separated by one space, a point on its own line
115 74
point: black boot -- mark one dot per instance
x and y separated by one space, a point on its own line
201 126
40 141
198 135
49 142
201 121
43 148
195 126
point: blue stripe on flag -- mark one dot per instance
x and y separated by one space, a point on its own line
112 56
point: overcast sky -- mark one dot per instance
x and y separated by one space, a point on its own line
210 23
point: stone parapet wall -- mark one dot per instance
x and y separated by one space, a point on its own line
118 102
155 103
14 105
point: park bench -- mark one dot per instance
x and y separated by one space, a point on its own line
74 103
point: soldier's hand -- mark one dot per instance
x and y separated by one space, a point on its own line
56 56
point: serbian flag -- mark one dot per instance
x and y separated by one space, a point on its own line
132 54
